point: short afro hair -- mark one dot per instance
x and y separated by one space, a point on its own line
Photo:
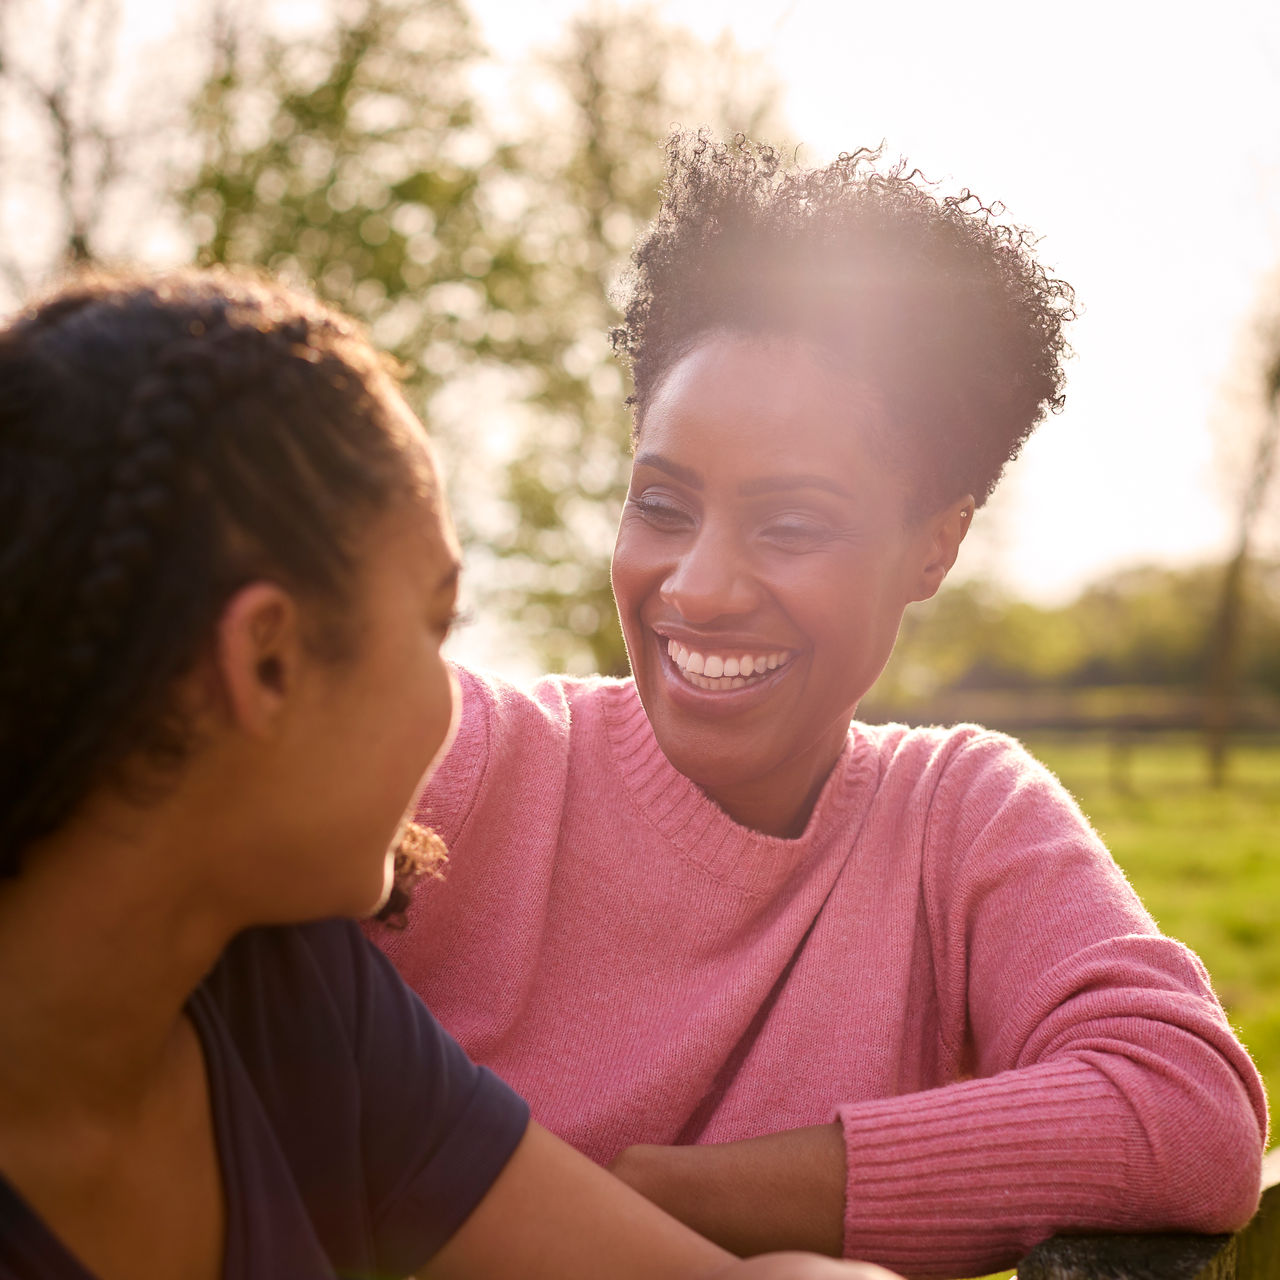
934 304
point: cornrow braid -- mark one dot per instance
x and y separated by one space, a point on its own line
158 427
137 505
161 444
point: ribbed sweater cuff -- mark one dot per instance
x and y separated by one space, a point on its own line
1001 1163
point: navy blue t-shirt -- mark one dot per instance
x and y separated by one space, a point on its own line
354 1134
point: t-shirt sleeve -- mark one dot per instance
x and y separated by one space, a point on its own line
436 1130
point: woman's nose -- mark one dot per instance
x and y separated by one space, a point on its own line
710 580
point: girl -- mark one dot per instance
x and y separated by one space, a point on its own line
226 570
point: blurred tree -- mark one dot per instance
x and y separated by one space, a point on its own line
624 77
942 642
350 157
1260 646
66 152
1149 627
354 157
1223 676
1145 626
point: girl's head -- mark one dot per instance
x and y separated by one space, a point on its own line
831 369
172 453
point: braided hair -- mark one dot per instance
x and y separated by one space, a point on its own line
162 443
934 304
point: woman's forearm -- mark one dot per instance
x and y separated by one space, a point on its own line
781 1191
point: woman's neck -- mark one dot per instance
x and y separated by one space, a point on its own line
782 803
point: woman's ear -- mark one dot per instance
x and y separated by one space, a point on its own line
259 656
943 534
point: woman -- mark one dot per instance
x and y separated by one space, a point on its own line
805 981
226 570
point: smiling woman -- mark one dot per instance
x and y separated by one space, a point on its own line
803 980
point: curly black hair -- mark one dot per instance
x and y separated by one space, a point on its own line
162 443
933 303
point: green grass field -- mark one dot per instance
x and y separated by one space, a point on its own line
1206 863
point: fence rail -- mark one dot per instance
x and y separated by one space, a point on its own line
1251 1254
1135 709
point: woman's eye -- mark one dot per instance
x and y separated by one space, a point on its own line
661 513
795 535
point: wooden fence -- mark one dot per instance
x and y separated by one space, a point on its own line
1250 1254
1137 710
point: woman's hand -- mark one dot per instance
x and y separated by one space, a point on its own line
782 1191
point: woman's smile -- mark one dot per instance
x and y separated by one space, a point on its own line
715 678
732 670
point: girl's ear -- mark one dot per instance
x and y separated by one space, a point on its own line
259 656
943 534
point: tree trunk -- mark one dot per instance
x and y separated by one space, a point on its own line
1222 676
1224 664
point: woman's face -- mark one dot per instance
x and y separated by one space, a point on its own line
763 562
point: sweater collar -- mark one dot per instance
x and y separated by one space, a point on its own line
684 815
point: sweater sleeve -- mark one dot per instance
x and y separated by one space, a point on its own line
1105 1092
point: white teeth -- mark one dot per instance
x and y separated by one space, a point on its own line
717 671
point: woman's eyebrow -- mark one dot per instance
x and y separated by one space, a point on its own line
677 472
779 484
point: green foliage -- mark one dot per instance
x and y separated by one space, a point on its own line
1147 626
624 78
356 159
347 159
1140 628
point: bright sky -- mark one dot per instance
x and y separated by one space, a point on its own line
1141 140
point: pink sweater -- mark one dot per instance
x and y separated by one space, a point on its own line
948 960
